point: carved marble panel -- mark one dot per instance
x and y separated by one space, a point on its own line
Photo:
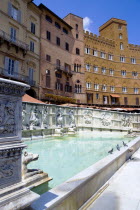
10 166
10 116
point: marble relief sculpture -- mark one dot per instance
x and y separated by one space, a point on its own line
87 117
7 117
106 119
45 117
71 118
126 121
59 118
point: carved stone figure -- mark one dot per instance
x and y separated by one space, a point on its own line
7 117
59 118
71 118
106 119
45 117
88 117
126 121
27 158
34 120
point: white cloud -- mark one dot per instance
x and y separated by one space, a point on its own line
87 22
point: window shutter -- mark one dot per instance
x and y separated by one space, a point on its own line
6 63
9 9
31 74
61 87
16 69
19 16
34 28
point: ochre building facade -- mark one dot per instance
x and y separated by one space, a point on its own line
62 56
20 42
112 66
55 56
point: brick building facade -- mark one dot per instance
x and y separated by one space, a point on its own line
55 56
112 66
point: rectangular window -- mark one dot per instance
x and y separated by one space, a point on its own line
77 36
57 25
48 58
48 79
11 67
110 57
122 59
88 67
66 46
14 12
97 95
102 55
77 51
32 28
31 74
48 35
112 88
95 68
32 46
124 89
111 72
65 30
58 41
103 70
88 85
87 50
133 60
136 90
95 52
13 34
105 99
123 73
104 88
96 86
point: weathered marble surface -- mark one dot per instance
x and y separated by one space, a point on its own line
13 194
39 118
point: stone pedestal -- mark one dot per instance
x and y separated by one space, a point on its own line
13 194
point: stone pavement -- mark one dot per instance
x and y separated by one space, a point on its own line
123 191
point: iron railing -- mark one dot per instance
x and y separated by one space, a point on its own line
8 38
63 69
17 76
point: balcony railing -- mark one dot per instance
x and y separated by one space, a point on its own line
16 76
18 43
63 69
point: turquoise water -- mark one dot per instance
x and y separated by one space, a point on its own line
63 157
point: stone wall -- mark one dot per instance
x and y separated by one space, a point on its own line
42 120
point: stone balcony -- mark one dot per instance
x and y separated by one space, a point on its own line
64 70
11 41
16 76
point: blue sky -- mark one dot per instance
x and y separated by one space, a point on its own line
99 11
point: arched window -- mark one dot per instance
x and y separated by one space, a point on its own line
78 87
120 36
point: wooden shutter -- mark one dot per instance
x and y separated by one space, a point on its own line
19 16
9 9
6 65
137 101
31 74
16 68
